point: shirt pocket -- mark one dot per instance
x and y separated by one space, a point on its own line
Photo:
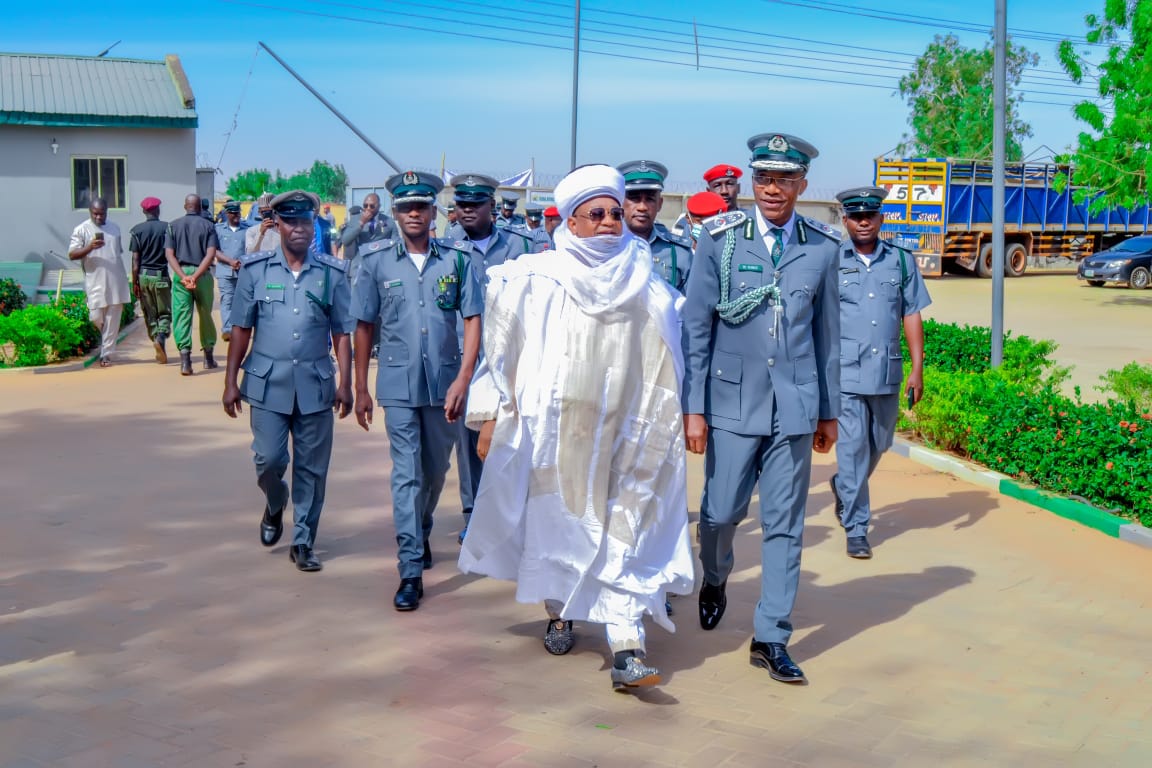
894 373
724 385
391 300
392 372
849 283
448 292
327 381
256 370
747 277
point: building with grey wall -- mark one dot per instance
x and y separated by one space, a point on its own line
75 127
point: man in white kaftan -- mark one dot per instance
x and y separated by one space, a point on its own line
95 243
583 499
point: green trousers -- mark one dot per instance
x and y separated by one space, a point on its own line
156 302
203 296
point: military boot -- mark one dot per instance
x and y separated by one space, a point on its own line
209 361
158 345
185 362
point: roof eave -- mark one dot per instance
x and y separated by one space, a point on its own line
96 121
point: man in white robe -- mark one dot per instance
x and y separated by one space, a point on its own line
583 500
95 243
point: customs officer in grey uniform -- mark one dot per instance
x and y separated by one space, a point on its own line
414 288
507 214
487 245
881 290
289 302
762 383
643 199
231 233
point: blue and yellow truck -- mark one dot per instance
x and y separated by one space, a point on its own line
940 210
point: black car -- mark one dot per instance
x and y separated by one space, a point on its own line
1129 263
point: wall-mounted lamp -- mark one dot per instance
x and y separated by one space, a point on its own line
55 146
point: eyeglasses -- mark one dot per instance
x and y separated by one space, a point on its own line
783 182
863 215
596 215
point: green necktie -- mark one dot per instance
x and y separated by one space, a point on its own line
778 245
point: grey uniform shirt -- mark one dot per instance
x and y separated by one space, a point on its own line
874 300
671 256
231 246
292 318
419 355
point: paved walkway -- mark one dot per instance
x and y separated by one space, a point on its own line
141 623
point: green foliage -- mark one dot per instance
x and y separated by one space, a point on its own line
1015 420
949 92
36 335
74 305
1112 159
326 180
12 296
1130 384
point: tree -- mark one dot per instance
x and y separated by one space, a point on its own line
949 92
326 180
1112 160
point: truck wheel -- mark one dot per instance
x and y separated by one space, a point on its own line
1015 260
1139 278
1096 283
984 263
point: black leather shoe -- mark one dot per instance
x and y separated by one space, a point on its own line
409 594
271 526
836 498
427 555
304 557
858 548
713 601
774 658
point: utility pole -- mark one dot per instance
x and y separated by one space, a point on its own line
999 147
575 80
333 110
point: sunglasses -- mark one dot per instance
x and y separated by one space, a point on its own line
863 215
596 215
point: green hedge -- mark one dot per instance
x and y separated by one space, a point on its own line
46 333
1015 420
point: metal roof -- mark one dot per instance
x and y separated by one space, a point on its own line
85 91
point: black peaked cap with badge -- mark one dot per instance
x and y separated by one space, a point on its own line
509 199
534 210
863 199
780 152
473 187
643 174
413 187
295 204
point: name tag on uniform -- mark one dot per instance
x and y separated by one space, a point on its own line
395 283
849 271
274 286
751 268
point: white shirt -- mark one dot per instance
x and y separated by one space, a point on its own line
482 243
419 259
105 277
866 259
765 227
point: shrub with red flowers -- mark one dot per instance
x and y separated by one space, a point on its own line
1015 420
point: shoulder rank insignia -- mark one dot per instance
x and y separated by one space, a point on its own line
374 246
255 256
456 245
331 261
724 221
820 227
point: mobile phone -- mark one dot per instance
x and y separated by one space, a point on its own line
911 396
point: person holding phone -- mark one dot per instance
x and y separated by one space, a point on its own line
881 291
96 244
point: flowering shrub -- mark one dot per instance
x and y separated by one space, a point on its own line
1015 420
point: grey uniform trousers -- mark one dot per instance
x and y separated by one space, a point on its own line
866 426
311 452
421 442
468 466
782 466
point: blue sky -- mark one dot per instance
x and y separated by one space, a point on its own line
488 100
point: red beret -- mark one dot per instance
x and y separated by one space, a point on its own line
552 211
722 170
149 203
706 204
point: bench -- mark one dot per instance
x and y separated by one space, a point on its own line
26 274
57 281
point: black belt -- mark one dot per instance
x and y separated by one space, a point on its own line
154 271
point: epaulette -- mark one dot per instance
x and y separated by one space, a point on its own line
724 221
821 227
666 234
453 244
255 257
374 246
331 261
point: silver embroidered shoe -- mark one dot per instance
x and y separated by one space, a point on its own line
634 675
559 638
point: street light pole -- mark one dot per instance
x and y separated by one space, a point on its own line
575 80
999 147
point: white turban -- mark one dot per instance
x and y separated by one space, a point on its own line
585 183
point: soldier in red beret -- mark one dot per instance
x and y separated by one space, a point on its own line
724 181
701 206
150 281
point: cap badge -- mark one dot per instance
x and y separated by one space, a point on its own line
470 181
729 172
778 144
411 178
643 165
